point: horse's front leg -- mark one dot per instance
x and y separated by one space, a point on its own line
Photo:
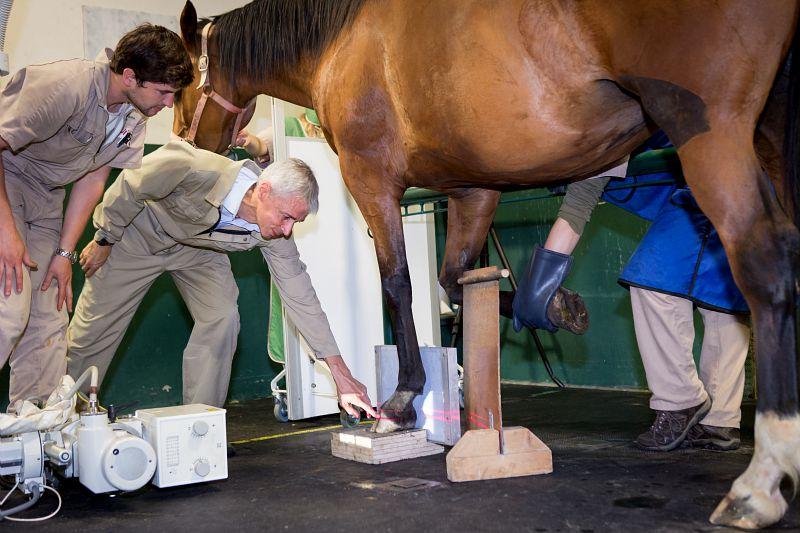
378 198
469 216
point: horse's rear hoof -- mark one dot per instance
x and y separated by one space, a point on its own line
567 310
746 512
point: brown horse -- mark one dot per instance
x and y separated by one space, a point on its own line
472 97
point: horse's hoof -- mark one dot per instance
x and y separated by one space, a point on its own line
397 413
747 512
567 310
389 423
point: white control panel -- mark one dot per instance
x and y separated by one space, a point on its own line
190 443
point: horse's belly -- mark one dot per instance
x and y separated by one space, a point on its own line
508 147
521 106
491 97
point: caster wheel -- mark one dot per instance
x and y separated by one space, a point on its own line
347 420
280 410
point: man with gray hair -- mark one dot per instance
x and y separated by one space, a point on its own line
179 213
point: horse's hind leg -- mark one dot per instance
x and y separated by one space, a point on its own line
762 247
770 136
469 215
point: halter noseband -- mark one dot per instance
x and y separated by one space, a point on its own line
209 92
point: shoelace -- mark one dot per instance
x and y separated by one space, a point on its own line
666 422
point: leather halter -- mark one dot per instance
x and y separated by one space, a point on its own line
209 92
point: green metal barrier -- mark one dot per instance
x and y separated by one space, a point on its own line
606 356
651 162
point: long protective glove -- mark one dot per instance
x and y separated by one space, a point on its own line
546 271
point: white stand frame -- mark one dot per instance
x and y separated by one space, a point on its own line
340 257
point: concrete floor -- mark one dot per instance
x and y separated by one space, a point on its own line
292 483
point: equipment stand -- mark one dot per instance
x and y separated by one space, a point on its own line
487 450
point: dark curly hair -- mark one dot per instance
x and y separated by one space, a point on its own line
155 54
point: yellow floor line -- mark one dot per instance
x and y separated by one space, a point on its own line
293 433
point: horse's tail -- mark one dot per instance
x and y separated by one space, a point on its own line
791 141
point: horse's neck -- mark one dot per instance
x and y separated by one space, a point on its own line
294 87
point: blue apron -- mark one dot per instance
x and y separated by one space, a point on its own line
681 254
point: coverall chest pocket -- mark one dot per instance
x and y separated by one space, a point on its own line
71 143
192 209
191 198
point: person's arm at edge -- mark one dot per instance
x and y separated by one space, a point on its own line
562 237
86 193
13 253
303 308
351 391
576 209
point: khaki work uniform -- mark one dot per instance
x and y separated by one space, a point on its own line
665 333
53 118
160 218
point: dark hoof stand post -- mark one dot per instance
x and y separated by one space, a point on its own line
487 450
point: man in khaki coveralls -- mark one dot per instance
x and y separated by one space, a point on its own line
179 213
63 122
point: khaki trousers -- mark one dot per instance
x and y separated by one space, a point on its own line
32 331
665 334
110 298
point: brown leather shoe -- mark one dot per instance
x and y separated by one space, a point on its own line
671 427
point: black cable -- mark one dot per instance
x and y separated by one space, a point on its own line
456 328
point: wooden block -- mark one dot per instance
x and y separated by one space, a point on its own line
387 458
477 455
365 446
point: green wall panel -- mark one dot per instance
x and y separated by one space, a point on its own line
606 356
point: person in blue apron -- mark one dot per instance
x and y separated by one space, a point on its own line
679 265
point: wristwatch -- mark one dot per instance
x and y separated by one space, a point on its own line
72 256
103 242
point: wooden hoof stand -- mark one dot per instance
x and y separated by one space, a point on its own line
477 455
487 450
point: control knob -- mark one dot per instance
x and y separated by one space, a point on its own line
202 467
200 428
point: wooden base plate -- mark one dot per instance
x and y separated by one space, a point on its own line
364 446
477 455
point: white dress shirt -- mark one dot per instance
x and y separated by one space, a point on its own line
230 205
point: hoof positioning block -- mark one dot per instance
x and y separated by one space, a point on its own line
365 446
